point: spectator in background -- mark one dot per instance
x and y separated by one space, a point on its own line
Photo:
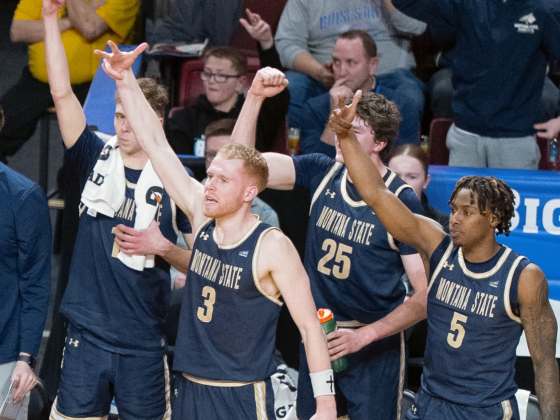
224 79
499 66
355 61
196 20
84 26
440 90
410 163
25 276
307 33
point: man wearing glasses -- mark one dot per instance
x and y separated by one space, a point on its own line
224 79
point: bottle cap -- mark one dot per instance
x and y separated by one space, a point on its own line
324 315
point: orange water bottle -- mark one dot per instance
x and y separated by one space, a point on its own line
328 323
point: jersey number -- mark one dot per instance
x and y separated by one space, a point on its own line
342 270
455 338
205 314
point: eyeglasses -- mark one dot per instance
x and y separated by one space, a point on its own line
218 78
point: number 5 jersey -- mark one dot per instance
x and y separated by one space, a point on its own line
473 326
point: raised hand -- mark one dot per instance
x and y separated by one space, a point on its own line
52 6
341 119
149 241
268 82
116 62
258 29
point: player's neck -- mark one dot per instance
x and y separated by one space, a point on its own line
481 251
231 228
135 160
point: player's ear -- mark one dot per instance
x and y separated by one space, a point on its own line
251 192
495 220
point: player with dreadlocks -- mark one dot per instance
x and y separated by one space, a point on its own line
481 294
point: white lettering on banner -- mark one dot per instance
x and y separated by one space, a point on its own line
549 222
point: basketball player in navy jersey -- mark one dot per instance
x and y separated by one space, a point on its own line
481 295
354 265
239 269
116 345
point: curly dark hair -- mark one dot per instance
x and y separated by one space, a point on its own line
493 194
382 116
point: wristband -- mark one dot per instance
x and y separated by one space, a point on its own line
322 383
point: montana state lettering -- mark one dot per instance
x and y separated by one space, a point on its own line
227 329
472 315
354 264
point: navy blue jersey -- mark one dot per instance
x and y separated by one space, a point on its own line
353 263
227 327
473 329
118 308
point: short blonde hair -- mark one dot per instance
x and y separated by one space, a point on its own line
253 162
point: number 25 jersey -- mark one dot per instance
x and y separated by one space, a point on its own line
354 265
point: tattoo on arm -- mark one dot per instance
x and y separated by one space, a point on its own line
543 327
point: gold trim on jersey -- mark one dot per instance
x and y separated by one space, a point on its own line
260 400
344 192
239 242
402 371
129 184
222 384
350 324
167 414
480 276
440 264
174 216
507 410
390 238
323 183
56 415
204 223
256 279
507 289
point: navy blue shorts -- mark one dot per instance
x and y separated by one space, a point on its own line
92 376
198 401
366 389
428 407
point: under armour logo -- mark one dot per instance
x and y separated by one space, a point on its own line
204 236
176 392
330 194
446 265
413 409
73 342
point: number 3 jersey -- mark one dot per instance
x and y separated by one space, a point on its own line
354 265
227 326
473 326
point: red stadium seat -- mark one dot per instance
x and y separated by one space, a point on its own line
439 154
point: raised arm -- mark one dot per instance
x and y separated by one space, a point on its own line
187 193
71 117
540 328
267 82
405 226
279 259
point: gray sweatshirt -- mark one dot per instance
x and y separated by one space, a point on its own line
314 26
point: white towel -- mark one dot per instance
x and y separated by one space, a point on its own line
104 193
